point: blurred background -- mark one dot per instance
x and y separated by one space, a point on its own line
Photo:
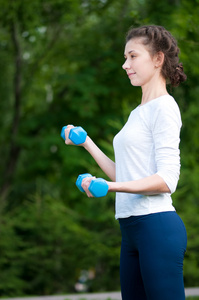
60 63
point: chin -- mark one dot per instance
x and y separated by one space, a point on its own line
135 83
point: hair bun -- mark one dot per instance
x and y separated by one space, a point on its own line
180 67
178 75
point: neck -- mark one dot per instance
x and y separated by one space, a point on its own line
153 91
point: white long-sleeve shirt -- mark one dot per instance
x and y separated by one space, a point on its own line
148 144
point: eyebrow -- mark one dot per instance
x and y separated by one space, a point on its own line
129 52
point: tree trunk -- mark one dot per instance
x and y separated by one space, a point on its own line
14 151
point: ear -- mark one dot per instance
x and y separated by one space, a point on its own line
159 59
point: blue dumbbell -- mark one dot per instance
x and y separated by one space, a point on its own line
98 187
77 134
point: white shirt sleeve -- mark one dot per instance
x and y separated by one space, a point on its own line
166 134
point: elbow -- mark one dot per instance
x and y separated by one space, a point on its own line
166 189
173 188
171 180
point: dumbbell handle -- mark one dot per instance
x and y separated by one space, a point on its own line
77 134
79 181
98 187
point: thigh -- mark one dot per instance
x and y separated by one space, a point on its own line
162 249
130 276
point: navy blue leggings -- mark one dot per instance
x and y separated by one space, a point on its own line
152 253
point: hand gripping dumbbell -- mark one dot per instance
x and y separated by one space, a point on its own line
79 181
98 187
77 134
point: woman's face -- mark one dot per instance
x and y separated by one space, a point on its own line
139 65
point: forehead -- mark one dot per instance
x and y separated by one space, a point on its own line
135 45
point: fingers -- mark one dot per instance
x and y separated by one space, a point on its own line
85 185
67 131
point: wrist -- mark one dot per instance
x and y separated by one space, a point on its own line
86 143
112 186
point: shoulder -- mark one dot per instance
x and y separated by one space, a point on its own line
166 107
168 115
165 103
163 111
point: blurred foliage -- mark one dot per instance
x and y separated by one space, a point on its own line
60 63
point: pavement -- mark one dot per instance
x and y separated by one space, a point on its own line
93 296
192 291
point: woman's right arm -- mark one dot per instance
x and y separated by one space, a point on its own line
104 162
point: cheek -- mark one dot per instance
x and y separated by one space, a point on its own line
146 67
140 63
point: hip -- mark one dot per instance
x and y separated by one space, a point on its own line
154 229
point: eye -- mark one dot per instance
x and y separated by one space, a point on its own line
132 56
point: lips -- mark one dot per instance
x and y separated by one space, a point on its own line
130 74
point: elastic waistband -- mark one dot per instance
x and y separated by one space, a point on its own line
134 219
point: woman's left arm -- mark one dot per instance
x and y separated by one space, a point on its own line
150 185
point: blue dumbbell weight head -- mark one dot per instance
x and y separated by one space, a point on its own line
77 134
63 132
79 180
98 187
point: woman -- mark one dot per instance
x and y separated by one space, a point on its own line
146 171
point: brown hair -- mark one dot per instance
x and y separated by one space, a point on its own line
159 39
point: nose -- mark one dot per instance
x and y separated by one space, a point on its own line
125 66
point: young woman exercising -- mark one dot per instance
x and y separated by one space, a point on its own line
146 171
